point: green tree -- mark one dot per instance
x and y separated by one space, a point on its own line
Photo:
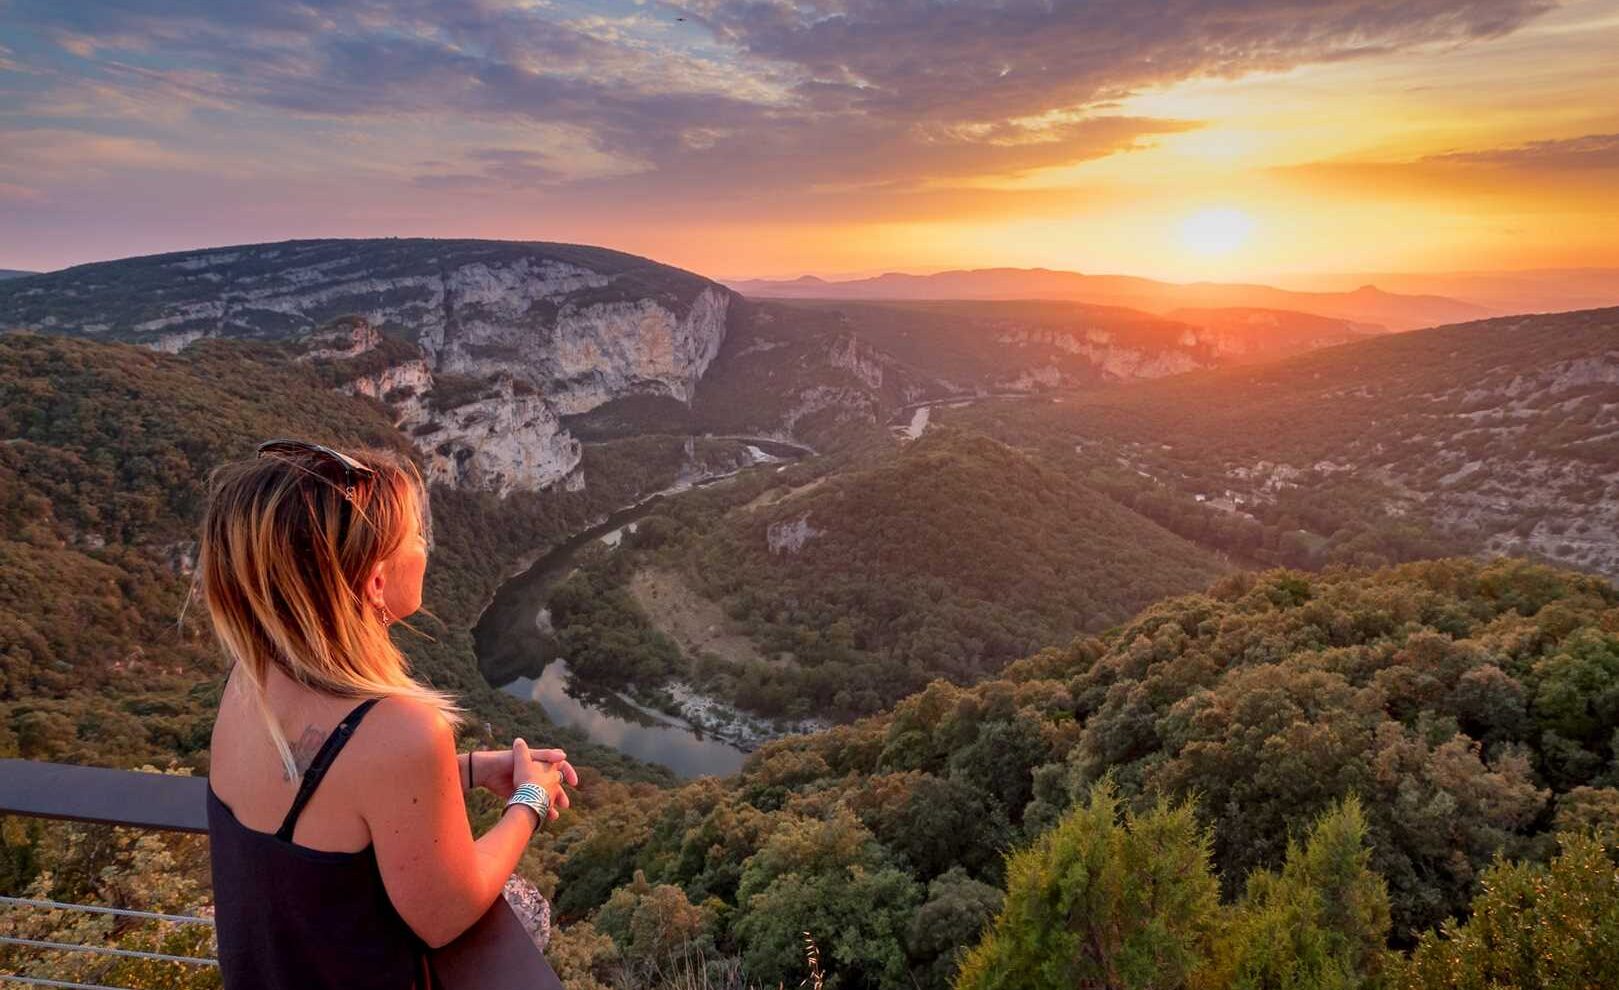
1576 704
584 958
1320 924
1096 903
653 926
832 879
951 920
1533 927
858 918
1590 809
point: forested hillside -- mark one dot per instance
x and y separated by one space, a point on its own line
1500 435
947 558
1469 707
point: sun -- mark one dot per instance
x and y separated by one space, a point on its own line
1216 231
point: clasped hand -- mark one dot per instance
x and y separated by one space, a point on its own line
500 771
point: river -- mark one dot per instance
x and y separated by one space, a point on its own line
647 735
517 655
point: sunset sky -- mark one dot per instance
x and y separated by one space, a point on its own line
1178 139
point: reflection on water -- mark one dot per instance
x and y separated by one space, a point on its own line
644 734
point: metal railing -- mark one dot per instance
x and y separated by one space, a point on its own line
496 953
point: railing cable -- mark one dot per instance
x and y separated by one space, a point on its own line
105 950
181 919
40 981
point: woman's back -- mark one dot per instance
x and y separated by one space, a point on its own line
300 901
247 773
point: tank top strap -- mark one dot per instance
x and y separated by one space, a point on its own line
322 762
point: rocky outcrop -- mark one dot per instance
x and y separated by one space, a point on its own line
502 437
405 387
1033 379
503 442
174 343
1111 359
341 339
861 360
789 536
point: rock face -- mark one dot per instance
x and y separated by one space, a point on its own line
502 442
1245 334
497 435
862 360
479 347
521 319
789 536
1114 360
1557 496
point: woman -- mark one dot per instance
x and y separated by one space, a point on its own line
340 841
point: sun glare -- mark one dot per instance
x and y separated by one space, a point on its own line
1216 231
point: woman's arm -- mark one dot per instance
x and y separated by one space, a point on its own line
438 877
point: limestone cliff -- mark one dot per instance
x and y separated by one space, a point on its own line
494 434
585 355
501 442
1114 359
499 339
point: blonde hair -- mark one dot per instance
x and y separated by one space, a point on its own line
282 574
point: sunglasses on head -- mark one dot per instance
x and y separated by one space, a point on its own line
353 470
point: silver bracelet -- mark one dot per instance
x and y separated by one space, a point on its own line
532 796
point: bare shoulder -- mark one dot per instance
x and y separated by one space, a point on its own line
402 728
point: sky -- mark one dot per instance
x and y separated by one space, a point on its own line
1180 139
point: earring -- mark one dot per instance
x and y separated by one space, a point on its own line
383 613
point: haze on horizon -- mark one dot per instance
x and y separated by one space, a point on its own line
765 138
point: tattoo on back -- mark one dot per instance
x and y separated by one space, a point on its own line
304 750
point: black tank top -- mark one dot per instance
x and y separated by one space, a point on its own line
292 918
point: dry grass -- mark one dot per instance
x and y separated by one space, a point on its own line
695 971
698 624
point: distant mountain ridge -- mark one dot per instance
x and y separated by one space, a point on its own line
14 273
497 357
1503 433
1544 290
1367 304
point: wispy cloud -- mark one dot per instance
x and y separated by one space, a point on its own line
993 59
429 114
861 91
1590 151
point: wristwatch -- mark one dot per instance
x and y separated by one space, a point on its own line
532 796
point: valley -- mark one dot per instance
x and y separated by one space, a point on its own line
835 602
751 595
519 651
